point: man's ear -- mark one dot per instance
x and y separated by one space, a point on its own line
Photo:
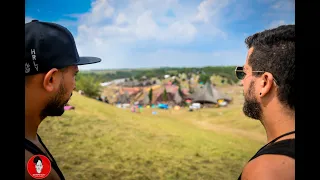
266 83
51 80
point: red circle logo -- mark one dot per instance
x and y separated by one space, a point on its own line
39 166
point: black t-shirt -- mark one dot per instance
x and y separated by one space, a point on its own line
284 147
28 145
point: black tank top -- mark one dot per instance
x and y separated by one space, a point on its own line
284 147
28 145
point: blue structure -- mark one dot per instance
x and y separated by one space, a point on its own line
163 106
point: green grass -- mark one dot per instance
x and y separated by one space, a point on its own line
98 141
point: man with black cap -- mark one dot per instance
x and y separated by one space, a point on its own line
51 65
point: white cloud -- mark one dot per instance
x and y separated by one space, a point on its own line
100 11
284 5
114 32
179 58
111 33
209 8
121 19
277 23
140 24
27 19
280 13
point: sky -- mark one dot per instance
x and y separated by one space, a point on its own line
158 33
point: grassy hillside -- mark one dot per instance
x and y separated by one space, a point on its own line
98 141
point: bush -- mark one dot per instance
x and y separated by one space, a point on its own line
89 85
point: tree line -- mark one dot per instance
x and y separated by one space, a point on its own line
108 75
89 81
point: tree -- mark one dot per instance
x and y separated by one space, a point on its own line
189 76
176 82
150 95
204 78
89 85
180 92
165 95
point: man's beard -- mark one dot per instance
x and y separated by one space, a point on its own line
251 106
55 107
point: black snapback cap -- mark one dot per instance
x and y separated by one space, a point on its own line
49 45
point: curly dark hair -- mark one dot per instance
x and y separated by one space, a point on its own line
274 52
36 159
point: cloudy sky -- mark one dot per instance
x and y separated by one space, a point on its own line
154 33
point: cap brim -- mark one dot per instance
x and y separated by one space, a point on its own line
88 60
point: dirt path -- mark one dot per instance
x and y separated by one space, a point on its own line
221 128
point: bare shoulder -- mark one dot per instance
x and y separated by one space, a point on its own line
270 167
52 176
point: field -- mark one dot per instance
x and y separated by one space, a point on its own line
98 141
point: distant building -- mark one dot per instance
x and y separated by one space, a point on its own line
116 81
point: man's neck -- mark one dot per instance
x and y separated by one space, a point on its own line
277 123
33 106
31 127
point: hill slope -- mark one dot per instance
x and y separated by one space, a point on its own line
99 141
